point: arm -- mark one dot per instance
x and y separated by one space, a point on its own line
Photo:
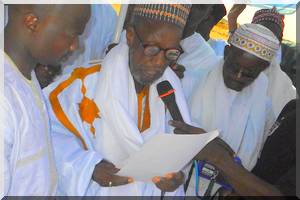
233 14
78 167
218 153
243 182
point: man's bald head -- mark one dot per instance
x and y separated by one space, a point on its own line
42 10
49 32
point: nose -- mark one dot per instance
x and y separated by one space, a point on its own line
239 75
159 59
74 45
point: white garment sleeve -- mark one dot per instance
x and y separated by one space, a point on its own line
7 126
75 165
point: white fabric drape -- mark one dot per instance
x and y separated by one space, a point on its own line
241 117
117 135
280 89
29 168
198 59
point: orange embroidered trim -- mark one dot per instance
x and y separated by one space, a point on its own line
164 13
89 111
78 73
146 117
181 7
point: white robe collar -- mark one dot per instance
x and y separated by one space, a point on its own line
117 101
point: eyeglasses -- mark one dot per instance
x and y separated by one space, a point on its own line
171 54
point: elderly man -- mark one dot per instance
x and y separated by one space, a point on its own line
103 114
233 97
34 34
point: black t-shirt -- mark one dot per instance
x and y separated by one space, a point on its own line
277 162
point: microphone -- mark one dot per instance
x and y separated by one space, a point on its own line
166 93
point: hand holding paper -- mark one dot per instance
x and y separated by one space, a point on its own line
163 154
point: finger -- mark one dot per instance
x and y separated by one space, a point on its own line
176 124
188 131
185 128
109 167
177 176
156 179
168 185
113 170
169 175
179 131
120 180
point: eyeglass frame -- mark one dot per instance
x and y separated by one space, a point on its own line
160 49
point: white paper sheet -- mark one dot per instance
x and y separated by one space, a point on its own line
163 154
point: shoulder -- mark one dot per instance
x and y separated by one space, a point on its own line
81 76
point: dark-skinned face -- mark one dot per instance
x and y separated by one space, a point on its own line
241 68
56 36
146 69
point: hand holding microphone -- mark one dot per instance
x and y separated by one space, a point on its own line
167 94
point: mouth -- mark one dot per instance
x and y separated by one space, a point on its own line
149 78
234 84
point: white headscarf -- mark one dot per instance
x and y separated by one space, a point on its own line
198 59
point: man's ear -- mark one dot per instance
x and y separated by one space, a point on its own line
31 21
226 51
130 36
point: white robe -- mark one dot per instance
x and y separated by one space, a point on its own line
218 45
243 118
117 135
280 89
29 168
198 59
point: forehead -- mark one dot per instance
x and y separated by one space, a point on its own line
163 34
72 16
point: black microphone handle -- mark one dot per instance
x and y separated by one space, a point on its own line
174 111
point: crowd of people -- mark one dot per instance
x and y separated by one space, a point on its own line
75 106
